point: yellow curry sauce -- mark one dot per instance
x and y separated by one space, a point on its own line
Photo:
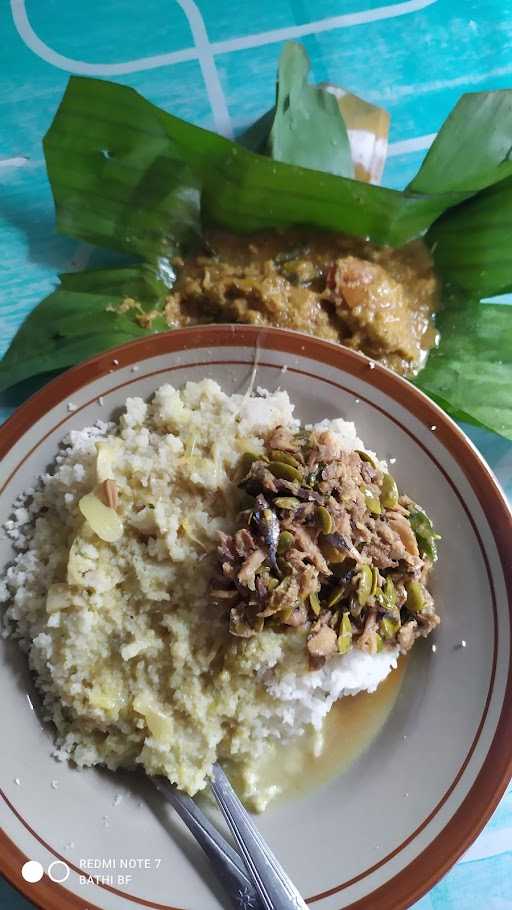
378 300
296 768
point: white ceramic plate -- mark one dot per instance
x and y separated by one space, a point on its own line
382 833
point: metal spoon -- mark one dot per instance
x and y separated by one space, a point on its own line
225 861
275 889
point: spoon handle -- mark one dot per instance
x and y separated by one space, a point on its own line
275 889
225 861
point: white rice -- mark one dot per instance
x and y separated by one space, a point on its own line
309 697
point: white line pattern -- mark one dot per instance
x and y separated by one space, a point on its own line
439 85
81 67
206 59
407 146
17 161
204 51
345 20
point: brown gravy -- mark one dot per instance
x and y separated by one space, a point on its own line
376 299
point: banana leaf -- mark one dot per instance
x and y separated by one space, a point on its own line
473 147
127 175
470 374
84 316
130 176
306 111
353 132
472 245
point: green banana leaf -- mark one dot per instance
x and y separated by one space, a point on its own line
473 147
305 111
471 245
127 175
131 177
83 317
470 374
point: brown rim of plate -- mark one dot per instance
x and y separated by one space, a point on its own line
414 880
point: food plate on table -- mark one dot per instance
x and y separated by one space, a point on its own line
407 776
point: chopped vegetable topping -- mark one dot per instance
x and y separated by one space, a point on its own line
389 494
345 636
326 545
425 534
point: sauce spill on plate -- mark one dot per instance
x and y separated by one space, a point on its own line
349 729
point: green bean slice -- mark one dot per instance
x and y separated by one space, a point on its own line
387 597
365 456
389 492
375 581
425 534
287 502
415 598
285 471
332 554
364 588
246 462
325 520
345 634
389 628
314 603
285 541
336 596
372 502
285 458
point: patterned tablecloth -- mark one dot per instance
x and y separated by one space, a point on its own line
214 66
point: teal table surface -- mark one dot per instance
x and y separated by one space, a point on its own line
213 62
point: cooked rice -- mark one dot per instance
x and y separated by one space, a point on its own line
133 666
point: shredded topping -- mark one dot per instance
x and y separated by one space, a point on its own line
326 544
